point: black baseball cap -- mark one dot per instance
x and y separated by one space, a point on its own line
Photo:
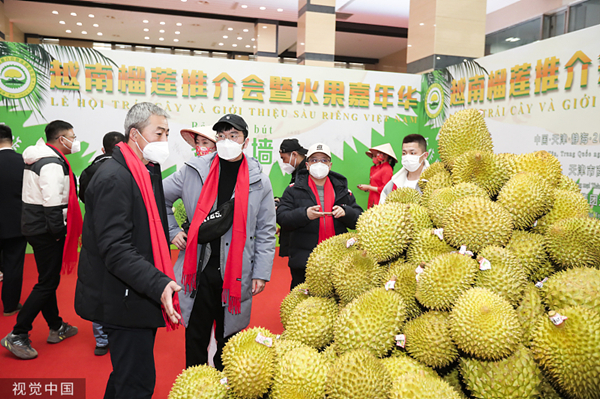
289 145
234 120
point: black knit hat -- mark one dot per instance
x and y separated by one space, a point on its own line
289 145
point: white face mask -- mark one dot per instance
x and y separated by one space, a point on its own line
75 145
155 152
228 150
319 170
411 162
288 168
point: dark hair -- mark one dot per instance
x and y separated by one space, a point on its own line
5 134
416 138
224 126
392 161
110 140
55 128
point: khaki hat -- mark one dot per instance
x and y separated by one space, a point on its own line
385 148
318 147
189 136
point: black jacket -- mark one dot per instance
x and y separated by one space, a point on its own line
284 234
11 181
88 173
118 283
304 233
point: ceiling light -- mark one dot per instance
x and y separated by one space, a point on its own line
161 31
253 39
438 58
61 22
177 32
264 26
99 33
175 40
239 38
247 46
302 44
183 1
162 22
410 45
68 31
220 44
245 30
279 9
73 14
91 15
229 28
161 38
234 45
253 46
178 24
145 21
421 24
146 29
147 38
225 37
55 12
262 8
83 32
244 6
79 24
95 25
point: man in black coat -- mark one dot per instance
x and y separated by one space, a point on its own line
118 283
12 242
317 206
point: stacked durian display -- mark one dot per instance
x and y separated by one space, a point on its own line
485 286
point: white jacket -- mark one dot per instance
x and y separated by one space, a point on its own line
397 181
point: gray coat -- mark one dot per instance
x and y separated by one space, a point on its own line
259 250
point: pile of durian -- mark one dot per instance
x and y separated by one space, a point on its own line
485 286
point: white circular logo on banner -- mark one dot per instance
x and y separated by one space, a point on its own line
17 77
434 100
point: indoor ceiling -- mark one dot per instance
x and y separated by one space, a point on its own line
366 29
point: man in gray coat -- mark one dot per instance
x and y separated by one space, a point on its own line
205 304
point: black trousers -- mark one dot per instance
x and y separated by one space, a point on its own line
207 310
132 358
48 253
298 276
12 258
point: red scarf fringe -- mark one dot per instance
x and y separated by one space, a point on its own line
326 228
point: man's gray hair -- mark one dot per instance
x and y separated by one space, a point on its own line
139 115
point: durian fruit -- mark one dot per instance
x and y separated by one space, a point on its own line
578 286
510 160
546 270
421 386
463 131
484 325
529 249
384 231
404 195
321 261
427 173
330 354
370 322
547 391
356 274
248 365
426 246
445 279
442 198
405 285
296 295
515 377
199 382
282 346
542 163
568 353
567 204
526 196
401 364
419 217
483 168
477 223
566 183
301 373
428 339
574 242
358 374
529 311
505 277
435 182
311 322
453 379
179 213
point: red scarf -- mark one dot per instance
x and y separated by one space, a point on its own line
160 248
326 228
74 223
232 283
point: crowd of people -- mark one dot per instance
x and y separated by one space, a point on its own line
126 285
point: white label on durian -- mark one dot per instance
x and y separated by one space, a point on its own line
558 319
223 380
439 233
401 340
540 284
485 264
462 250
351 242
304 290
535 223
419 270
266 341
390 285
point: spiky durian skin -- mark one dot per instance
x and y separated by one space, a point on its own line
506 276
370 322
529 311
433 169
321 261
568 353
405 285
421 386
442 198
445 279
567 204
515 377
529 249
428 339
301 373
384 231
477 223
400 364
566 183
426 246
329 354
311 322
291 300
542 163
526 196
574 242
453 379
248 365
483 168
578 286
199 382
419 217
485 325
463 131
356 274
404 195
358 374
435 182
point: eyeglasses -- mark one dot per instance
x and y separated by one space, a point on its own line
234 136
317 160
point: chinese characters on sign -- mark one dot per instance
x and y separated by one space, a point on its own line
73 388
